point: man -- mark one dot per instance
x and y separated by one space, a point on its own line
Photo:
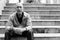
19 24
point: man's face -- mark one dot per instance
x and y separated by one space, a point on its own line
19 9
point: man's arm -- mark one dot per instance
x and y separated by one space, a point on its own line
29 23
9 24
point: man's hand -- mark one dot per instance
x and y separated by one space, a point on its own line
19 30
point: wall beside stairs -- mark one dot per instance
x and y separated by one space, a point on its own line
2 4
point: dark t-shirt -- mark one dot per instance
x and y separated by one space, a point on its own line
20 19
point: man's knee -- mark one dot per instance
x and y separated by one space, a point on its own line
29 35
29 32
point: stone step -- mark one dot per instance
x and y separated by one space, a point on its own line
33 4
10 4
46 35
8 13
42 17
32 10
37 22
39 4
46 23
37 12
46 29
4 16
41 8
42 37
38 29
38 35
48 17
11 8
37 8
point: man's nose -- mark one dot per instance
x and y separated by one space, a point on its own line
19 8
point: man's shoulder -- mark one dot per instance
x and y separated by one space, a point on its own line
26 14
12 15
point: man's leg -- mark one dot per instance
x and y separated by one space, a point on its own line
28 34
10 34
7 36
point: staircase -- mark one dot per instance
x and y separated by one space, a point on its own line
45 19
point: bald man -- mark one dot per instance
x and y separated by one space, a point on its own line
19 24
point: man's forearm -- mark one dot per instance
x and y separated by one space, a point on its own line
19 29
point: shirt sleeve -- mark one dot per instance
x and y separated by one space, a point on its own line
9 22
29 23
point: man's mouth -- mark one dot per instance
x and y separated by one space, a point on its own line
19 10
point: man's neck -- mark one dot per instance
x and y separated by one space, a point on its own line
19 14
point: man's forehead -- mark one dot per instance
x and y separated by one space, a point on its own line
19 4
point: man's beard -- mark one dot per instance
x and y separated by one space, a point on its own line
19 10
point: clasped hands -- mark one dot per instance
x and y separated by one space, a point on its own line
18 30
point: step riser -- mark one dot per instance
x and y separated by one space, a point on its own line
34 12
39 23
42 13
3 23
47 38
45 13
15 39
44 38
2 30
46 17
35 4
37 14
42 8
50 17
38 17
46 30
7 13
28 5
11 4
36 8
38 30
46 23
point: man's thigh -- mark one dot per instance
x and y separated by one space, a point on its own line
24 34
